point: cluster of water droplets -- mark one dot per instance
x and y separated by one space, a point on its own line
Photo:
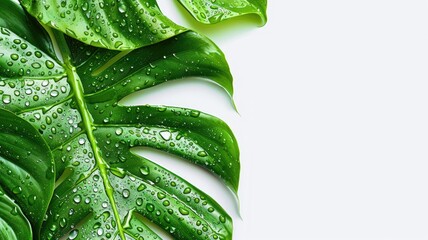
20 58
115 24
22 94
169 211
58 123
214 11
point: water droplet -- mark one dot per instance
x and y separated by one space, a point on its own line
195 113
187 190
14 211
183 211
126 193
36 65
14 56
150 207
166 135
63 222
6 99
73 234
85 6
202 154
54 93
32 199
38 54
122 8
141 187
49 64
77 199
119 131
53 227
17 190
161 195
118 44
145 170
82 141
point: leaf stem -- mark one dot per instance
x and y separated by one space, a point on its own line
76 85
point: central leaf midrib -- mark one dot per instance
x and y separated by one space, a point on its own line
87 120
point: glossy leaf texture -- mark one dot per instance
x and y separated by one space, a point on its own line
13 223
214 11
130 24
13 16
27 178
103 189
113 24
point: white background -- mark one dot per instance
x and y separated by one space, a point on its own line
333 124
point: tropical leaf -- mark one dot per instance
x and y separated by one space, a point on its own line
13 16
130 24
103 190
121 25
214 11
13 223
27 177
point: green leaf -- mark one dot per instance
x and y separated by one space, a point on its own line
214 11
121 25
26 175
131 24
103 189
13 16
13 224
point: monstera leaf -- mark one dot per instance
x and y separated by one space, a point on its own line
130 24
103 190
27 178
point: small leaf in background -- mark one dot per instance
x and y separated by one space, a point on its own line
27 177
214 11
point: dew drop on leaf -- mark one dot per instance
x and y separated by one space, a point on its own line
14 211
187 190
32 199
126 193
77 199
17 190
63 222
139 201
119 131
202 154
6 99
36 65
183 211
141 187
166 135
144 170
73 234
150 207
14 56
49 64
